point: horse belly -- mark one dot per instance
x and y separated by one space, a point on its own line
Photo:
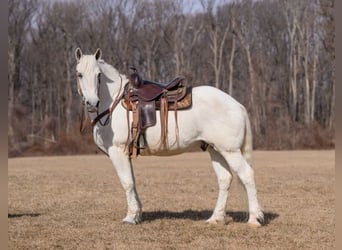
179 138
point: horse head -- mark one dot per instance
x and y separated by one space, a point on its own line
88 78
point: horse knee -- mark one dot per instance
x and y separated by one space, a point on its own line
224 181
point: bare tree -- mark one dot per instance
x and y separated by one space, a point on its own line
246 33
217 30
292 12
276 57
327 29
232 51
20 14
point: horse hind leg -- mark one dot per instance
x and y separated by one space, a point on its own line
224 179
246 174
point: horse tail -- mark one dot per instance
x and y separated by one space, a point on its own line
246 150
247 146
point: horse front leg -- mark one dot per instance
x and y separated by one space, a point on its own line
123 167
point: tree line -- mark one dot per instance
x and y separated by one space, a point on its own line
276 57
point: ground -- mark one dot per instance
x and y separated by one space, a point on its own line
76 202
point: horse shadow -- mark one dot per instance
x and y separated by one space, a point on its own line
237 216
12 216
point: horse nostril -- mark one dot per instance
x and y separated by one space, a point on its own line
97 104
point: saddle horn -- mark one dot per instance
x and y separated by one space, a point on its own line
135 79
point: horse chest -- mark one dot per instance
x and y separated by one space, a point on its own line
102 138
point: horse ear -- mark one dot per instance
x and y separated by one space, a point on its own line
98 54
78 54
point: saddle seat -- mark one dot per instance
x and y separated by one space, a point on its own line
149 90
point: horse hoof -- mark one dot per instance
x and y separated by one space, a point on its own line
254 224
211 221
217 221
131 220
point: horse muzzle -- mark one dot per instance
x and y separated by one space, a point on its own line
91 107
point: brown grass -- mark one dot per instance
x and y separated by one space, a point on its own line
76 202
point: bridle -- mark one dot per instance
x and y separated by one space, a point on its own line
107 112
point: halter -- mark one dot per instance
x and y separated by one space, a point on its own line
108 111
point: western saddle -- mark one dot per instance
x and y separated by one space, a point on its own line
144 98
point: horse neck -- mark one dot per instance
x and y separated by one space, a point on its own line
113 85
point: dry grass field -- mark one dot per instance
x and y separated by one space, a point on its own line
76 202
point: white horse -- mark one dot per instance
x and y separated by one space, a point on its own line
215 118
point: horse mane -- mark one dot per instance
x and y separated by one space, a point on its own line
107 69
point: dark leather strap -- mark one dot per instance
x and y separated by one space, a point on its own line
99 117
107 111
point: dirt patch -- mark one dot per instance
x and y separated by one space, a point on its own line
76 202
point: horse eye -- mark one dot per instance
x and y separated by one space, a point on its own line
79 75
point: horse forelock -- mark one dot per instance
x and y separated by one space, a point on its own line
87 63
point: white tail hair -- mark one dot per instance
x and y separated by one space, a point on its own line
247 146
